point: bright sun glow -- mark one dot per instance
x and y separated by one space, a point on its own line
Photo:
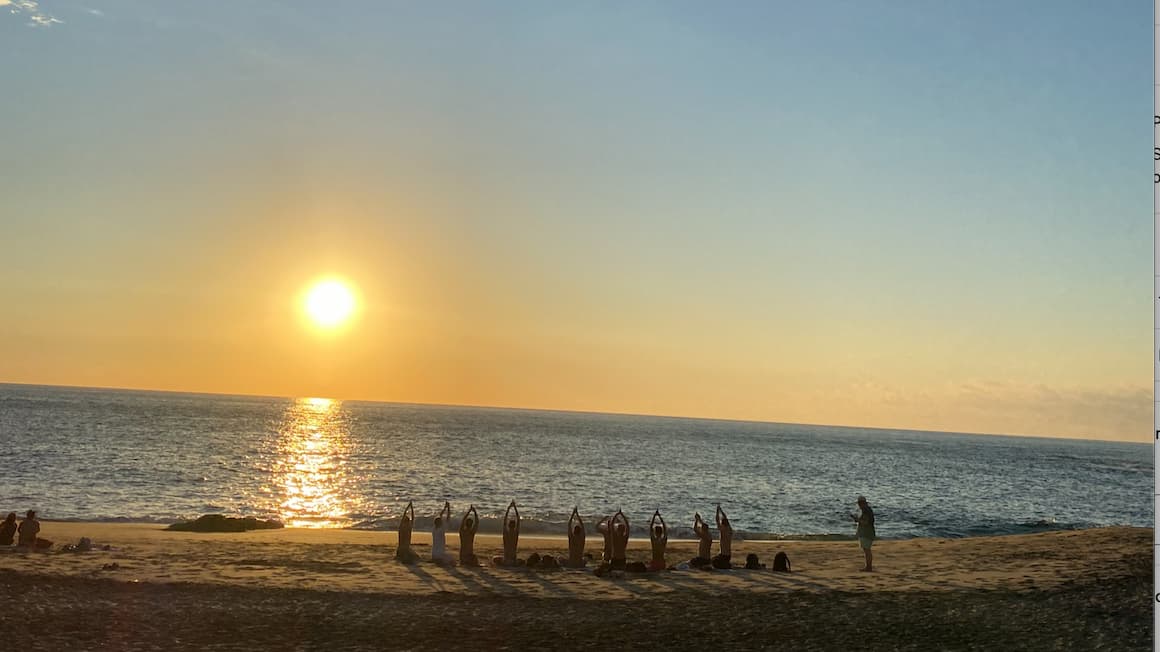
329 303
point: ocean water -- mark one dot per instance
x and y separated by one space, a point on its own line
100 455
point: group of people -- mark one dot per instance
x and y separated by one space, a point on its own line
615 531
24 534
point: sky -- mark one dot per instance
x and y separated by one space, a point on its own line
927 215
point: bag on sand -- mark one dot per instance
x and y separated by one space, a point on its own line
781 563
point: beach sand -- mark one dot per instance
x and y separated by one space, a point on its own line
341 589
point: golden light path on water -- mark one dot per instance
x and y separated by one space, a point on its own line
310 469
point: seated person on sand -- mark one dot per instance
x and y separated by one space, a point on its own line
404 553
576 538
439 553
467 529
603 527
722 560
511 538
658 534
704 545
618 525
27 531
8 530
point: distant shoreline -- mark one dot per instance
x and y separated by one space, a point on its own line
421 532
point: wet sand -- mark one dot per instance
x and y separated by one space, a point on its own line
341 589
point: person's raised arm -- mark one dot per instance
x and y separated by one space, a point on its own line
517 511
474 520
664 528
718 516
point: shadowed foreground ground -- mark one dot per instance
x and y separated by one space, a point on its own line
79 613
340 590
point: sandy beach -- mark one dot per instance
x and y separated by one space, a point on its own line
341 589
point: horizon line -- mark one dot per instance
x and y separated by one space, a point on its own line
565 411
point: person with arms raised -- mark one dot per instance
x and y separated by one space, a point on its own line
618 526
722 561
404 553
439 552
658 534
704 545
467 529
576 538
511 537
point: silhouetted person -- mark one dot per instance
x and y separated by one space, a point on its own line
604 527
618 525
439 552
467 529
722 560
866 534
576 538
658 535
511 537
704 545
404 553
27 531
8 530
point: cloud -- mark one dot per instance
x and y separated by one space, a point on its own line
31 10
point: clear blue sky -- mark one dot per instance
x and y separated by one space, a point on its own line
918 214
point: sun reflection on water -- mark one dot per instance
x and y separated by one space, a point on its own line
310 470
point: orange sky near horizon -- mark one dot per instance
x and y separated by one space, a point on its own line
675 218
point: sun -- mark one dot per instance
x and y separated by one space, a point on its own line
329 303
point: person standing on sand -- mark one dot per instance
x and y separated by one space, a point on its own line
404 553
467 529
8 530
722 560
866 534
658 534
576 537
439 553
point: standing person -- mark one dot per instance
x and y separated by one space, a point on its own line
467 529
439 553
404 553
722 560
576 537
705 545
866 534
8 530
658 534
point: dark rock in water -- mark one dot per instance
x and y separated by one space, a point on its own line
219 523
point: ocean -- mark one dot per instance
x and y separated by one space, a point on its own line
135 456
